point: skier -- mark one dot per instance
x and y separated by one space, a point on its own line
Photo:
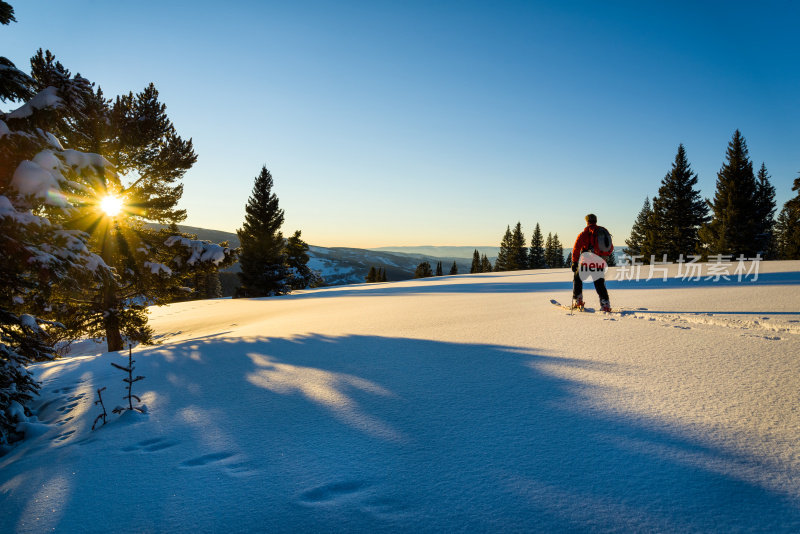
584 242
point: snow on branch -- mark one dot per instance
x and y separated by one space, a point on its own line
45 99
200 251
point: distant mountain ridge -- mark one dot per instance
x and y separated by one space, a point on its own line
345 265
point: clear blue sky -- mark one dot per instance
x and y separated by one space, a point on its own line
440 123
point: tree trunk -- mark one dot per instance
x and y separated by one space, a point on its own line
111 319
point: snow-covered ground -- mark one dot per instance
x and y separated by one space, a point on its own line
464 403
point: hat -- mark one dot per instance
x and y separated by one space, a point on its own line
591 218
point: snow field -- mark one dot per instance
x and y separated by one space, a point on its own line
464 403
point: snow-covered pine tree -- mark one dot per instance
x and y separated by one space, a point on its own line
476 263
262 258
40 185
734 227
679 211
765 212
536 253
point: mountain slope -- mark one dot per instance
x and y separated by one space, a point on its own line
464 403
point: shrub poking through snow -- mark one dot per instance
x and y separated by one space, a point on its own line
129 380
100 402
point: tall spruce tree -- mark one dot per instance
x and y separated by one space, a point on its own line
476 263
734 227
636 243
505 256
262 259
453 269
678 211
372 275
439 270
787 227
518 259
765 212
536 255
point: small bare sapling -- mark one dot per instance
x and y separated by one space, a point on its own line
129 380
100 402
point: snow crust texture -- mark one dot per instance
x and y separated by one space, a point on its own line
452 404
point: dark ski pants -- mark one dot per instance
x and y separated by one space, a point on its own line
599 285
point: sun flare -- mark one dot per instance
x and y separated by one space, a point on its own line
111 205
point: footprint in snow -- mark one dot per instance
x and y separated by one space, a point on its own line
151 445
332 492
207 459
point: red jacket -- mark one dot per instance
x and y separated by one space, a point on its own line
584 242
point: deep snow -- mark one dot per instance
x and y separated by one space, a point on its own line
464 403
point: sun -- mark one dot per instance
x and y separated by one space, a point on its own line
111 205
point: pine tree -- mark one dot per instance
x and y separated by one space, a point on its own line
299 275
536 255
548 251
476 263
558 252
39 253
505 255
382 275
636 243
734 226
765 212
486 264
152 265
261 259
372 275
423 270
454 269
787 227
678 211
518 259
439 270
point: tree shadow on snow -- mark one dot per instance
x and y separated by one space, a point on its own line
377 433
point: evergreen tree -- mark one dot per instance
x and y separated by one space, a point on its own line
678 211
734 226
423 270
558 252
518 259
486 264
476 263
636 243
372 275
39 253
382 275
787 227
765 212
454 269
439 271
152 265
262 259
548 251
299 275
536 256
505 256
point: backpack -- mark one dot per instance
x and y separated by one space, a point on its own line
601 242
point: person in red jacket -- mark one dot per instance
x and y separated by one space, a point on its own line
584 242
